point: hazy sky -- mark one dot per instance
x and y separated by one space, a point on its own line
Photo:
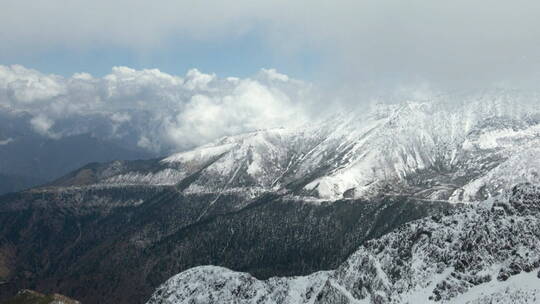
362 43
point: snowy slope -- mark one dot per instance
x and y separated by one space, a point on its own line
486 253
458 148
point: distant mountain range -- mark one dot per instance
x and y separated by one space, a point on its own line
28 159
433 150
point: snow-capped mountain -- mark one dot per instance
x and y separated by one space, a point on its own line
458 148
487 253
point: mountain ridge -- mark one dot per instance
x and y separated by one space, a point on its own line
423 149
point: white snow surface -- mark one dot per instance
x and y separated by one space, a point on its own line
235 287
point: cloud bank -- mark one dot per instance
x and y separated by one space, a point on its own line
363 43
165 112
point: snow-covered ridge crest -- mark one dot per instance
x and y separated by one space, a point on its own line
199 154
457 148
477 254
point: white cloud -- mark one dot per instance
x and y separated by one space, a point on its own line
249 106
42 125
196 80
120 117
165 111
272 74
26 85
6 141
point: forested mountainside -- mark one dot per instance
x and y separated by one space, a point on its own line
118 245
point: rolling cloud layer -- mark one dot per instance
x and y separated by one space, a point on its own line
164 112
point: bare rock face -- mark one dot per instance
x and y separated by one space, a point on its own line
525 198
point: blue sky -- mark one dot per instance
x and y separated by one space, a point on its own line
240 56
